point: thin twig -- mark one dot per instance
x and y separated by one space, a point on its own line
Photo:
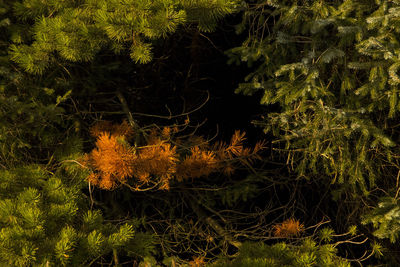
126 109
214 224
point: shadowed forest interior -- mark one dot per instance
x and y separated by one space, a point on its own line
199 133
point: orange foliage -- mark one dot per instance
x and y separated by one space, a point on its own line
288 228
112 160
156 160
123 129
199 163
155 164
236 145
235 150
197 262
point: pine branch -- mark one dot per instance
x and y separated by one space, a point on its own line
214 224
127 111
128 114
115 256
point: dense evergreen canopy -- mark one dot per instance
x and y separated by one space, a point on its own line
199 132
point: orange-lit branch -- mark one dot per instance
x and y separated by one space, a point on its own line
155 164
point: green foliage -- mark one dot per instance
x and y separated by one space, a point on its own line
43 221
77 31
326 234
332 68
385 219
283 254
17 115
61 60
50 224
239 191
31 116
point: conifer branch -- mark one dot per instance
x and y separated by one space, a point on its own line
129 116
115 256
214 224
126 110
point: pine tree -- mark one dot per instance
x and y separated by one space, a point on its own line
77 31
385 218
59 40
331 67
61 62
45 218
44 222
283 254
328 70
